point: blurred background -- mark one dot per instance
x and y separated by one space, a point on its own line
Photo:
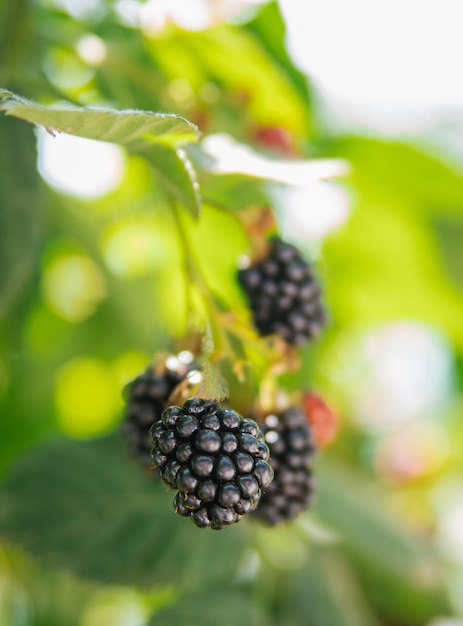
347 119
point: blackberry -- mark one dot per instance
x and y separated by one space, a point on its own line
215 459
284 295
289 439
146 398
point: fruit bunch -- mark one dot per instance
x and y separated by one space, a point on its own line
284 295
146 398
291 446
224 466
215 459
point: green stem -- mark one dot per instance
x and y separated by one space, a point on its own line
195 277
14 37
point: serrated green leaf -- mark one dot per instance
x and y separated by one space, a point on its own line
88 508
212 607
20 215
178 175
125 127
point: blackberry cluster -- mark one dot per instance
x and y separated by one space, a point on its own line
214 458
146 397
284 295
289 439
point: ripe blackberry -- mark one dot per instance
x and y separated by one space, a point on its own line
284 295
146 397
289 439
214 458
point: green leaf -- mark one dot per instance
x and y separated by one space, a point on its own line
391 561
178 175
124 127
20 214
212 607
324 593
450 238
234 192
88 508
390 169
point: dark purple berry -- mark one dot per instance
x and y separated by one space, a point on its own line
248 486
279 290
194 406
171 415
229 494
202 465
186 480
250 427
200 518
146 398
216 460
244 462
289 439
207 490
211 421
208 441
225 468
186 426
229 443
248 443
231 420
184 452
167 441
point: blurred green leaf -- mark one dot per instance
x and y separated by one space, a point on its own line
236 61
178 175
392 169
385 265
269 28
234 192
125 127
86 507
450 237
20 214
401 564
324 593
219 606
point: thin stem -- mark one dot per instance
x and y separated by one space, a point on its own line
222 345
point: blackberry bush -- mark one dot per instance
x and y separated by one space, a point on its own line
289 439
284 295
214 458
146 398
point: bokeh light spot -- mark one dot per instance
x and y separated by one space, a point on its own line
133 249
87 397
73 286
92 49
66 70
118 607
81 167
129 365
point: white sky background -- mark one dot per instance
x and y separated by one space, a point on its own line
395 66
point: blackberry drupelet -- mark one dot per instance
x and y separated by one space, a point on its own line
146 397
289 439
284 295
214 458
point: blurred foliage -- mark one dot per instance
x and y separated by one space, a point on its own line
91 288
